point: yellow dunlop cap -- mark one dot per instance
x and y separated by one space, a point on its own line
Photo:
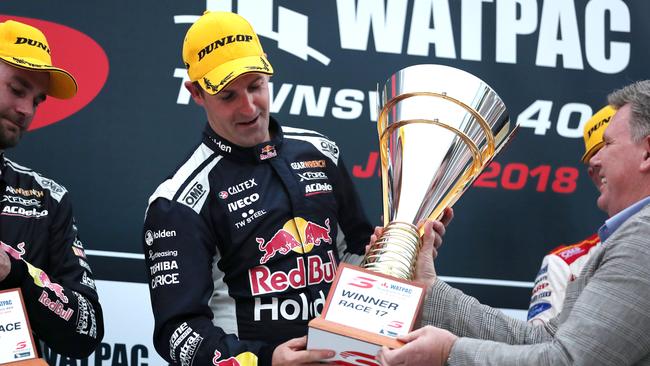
219 47
26 47
593 132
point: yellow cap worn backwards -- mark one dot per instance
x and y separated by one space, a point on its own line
26 47
221 46
594 129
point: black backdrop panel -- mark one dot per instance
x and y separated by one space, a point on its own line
553 62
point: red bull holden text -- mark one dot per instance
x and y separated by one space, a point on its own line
263 281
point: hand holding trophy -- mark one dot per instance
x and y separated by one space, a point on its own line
439 127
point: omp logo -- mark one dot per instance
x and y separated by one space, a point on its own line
329 147
194 194
80 55
292 28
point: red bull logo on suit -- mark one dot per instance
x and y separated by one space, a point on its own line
298 235
15 254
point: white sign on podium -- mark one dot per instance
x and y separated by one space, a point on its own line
16 342
364 311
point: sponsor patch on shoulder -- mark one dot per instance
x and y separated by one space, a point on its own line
538 308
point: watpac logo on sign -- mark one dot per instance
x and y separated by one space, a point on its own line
555 27
81 56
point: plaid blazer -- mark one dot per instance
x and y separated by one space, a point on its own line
605 319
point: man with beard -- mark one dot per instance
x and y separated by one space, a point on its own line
41 251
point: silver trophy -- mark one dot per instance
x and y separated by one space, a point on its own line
439 127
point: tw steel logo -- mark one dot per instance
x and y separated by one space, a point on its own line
80 55
298 235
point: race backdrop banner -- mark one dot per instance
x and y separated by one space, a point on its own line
553 62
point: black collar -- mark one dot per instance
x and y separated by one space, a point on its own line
256 154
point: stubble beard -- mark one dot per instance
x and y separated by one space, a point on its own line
8 140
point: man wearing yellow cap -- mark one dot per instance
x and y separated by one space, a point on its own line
41 252
564 263
243 240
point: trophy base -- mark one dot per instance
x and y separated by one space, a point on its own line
364 311
350 344
31 362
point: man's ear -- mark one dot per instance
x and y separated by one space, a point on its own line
645 162
195 92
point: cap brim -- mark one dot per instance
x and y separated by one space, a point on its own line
224 74
62 83
591 152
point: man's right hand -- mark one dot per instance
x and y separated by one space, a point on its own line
5 265
425 271
293 352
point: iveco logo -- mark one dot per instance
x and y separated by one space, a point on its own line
77 53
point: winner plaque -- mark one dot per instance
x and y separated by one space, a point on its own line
16 342
438 127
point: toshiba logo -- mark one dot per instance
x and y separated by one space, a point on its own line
75 52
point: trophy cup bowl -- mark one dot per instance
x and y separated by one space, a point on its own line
438 128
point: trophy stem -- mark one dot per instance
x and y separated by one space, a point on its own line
395 251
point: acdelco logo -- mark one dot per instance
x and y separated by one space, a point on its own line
75 52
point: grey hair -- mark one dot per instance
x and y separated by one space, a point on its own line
638 96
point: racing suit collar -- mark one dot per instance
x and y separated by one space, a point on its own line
256 154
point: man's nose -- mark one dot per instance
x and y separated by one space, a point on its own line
594 161
247 105
25 107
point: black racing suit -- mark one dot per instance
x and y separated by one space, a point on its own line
48 262
242 244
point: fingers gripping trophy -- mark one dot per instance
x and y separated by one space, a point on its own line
439 127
